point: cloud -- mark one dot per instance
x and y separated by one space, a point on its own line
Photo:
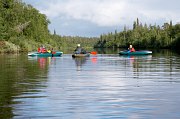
98 12
94 16
111 12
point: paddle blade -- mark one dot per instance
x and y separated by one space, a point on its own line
94 53
53 52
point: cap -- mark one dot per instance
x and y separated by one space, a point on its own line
130 46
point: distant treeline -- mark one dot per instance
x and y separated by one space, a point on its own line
23 28
143 36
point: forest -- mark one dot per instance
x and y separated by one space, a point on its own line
143 36
23 28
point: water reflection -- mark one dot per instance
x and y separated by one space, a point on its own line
152 67
107 86
19 78
135 60
137 63
80 61
43 62
107 50
94 60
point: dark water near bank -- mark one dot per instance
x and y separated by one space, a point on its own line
106 86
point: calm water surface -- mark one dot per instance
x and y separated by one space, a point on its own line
106 86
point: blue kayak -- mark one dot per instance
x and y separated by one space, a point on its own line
55 54
142 52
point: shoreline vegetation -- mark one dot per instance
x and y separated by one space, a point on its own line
143 36
23 29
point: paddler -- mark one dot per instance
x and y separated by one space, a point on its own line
131 48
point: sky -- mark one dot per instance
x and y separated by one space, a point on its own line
91 18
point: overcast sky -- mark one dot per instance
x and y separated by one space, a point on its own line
94 17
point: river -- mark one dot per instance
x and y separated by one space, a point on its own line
102 86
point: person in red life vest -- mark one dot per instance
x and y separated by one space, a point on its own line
39 49
131 49
42 49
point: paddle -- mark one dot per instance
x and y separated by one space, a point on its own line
93 53
53 52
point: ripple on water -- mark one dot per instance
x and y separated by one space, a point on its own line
97 87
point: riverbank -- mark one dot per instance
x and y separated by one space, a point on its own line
8 47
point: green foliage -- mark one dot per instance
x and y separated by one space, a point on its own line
141 36
27 29
22 25
71 42
7 47
23 28
175 34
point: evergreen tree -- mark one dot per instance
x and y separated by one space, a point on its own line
153 36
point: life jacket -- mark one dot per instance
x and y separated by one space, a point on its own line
132 50
44 50
39 50
49 51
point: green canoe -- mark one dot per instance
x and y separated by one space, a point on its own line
142 52
55 54
81 55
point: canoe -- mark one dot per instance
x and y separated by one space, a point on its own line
55 54
81 55
141 52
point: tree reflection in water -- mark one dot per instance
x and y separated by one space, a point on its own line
19 74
